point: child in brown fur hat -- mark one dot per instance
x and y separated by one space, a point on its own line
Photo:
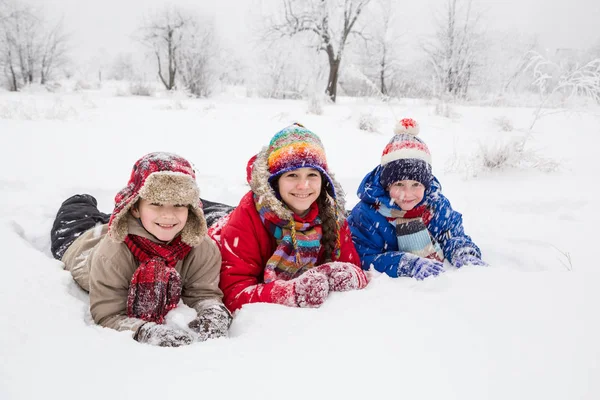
151 252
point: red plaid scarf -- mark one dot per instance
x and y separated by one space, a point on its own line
155 287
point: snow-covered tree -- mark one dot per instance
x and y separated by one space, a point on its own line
122 67
163 34
380 53
454 50
54 51
198 58
184 47
330 23
30 46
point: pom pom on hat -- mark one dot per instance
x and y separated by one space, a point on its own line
408 126
406 157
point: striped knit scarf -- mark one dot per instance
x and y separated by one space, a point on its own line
155 286
411 231
298 243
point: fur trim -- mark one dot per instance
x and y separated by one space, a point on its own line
259 183
167 187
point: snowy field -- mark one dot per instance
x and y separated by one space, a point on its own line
527 327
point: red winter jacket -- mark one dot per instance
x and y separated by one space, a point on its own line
246 246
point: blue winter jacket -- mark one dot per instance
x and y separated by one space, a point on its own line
375 237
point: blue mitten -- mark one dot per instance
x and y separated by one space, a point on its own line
418 267
470 259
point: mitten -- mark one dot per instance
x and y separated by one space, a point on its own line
162 335
343 276
418 267
212 322
311 289
465 259
308 290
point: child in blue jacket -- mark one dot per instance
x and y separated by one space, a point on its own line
403 224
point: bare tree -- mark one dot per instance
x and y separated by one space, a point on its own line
27 47
330 22
286 70
163 33
379 53
197 58
122 67
454 49
53 51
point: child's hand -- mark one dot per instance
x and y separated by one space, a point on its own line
468 259
419 267
312 288
212 322
308 290
343 276
162 335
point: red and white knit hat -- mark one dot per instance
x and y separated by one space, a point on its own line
160 178
406 157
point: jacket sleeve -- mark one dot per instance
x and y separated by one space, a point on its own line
446 226
201 281
373 242
243 241
109 287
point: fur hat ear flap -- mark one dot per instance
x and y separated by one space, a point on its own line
118 227
195 227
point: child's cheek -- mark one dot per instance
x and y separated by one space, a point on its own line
396 193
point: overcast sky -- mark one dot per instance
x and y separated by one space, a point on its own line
108 24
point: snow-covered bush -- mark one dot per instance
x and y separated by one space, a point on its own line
368 122
140 88
504 123
30 110
84 85
62 111
568 79
315 104
444 109
53 86
504 153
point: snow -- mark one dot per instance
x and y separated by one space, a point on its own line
527 327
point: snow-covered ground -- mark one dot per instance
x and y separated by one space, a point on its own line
527 327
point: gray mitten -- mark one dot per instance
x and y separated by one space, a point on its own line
162 335
212 322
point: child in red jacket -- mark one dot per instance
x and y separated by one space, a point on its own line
288 242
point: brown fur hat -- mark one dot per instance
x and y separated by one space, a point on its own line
160 178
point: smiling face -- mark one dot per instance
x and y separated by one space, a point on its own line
300 188
406 194
164 221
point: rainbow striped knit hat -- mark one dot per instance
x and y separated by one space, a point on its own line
406 157
296 147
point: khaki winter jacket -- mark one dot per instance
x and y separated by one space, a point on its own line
104 268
